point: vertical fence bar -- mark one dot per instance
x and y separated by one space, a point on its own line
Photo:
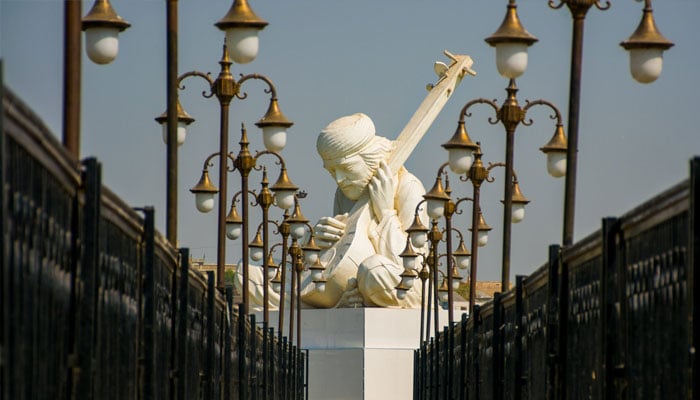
433 363
474 362
283 372
254 371
610 300
497 346
519 328
85 337
266 361
174 316
563 319
306 374
694 276
463 358
147 358
228 365
552 337
242 371
211 332
272 365
416 380
5 330
182 337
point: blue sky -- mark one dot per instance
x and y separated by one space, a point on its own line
332 58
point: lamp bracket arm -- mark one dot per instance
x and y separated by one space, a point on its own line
280 160
420 203
271 87
528 104
556 6
231 157
460 200
607 5
461 237
465 110
208 163
254 202
205 76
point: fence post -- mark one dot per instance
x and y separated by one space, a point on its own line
693 276
463 358
209 392
563 318
182 337
254 373
474 362
283 372
228 331
88 273
520 377
265 360
4 261
497 346
172 375
148 338
553 322
242 371
612 302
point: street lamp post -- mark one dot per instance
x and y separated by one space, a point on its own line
102 26
510 114
226 88
645 45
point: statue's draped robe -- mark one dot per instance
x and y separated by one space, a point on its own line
379 274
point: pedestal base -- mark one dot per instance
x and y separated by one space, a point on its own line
361 353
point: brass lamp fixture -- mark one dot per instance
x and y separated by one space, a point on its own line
226 89
417 232
646 46
511 41
183 120
102 26
511 115
242 26
461 150
436 199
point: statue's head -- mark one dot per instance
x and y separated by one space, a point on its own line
351 152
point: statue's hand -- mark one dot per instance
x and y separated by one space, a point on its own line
381 191
329 230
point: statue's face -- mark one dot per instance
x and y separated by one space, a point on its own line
351 174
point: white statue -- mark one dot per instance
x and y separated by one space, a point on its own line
356 158
374 204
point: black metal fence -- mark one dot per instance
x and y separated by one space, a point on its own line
611 317
97 305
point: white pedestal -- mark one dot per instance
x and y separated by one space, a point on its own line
361 353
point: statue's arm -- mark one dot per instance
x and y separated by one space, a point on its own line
389 237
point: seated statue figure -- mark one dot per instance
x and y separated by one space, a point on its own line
357 160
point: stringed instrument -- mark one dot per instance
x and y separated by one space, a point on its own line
344 257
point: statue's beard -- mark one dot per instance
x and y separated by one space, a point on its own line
353 189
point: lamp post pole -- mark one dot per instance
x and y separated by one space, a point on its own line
172 116
510 115
101 15
284 230
477 174
71 77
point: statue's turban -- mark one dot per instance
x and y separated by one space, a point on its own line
346 136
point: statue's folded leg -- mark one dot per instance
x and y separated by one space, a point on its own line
377 278
255 288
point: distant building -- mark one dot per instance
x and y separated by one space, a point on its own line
201 266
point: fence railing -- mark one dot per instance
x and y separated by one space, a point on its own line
611 317
97 305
